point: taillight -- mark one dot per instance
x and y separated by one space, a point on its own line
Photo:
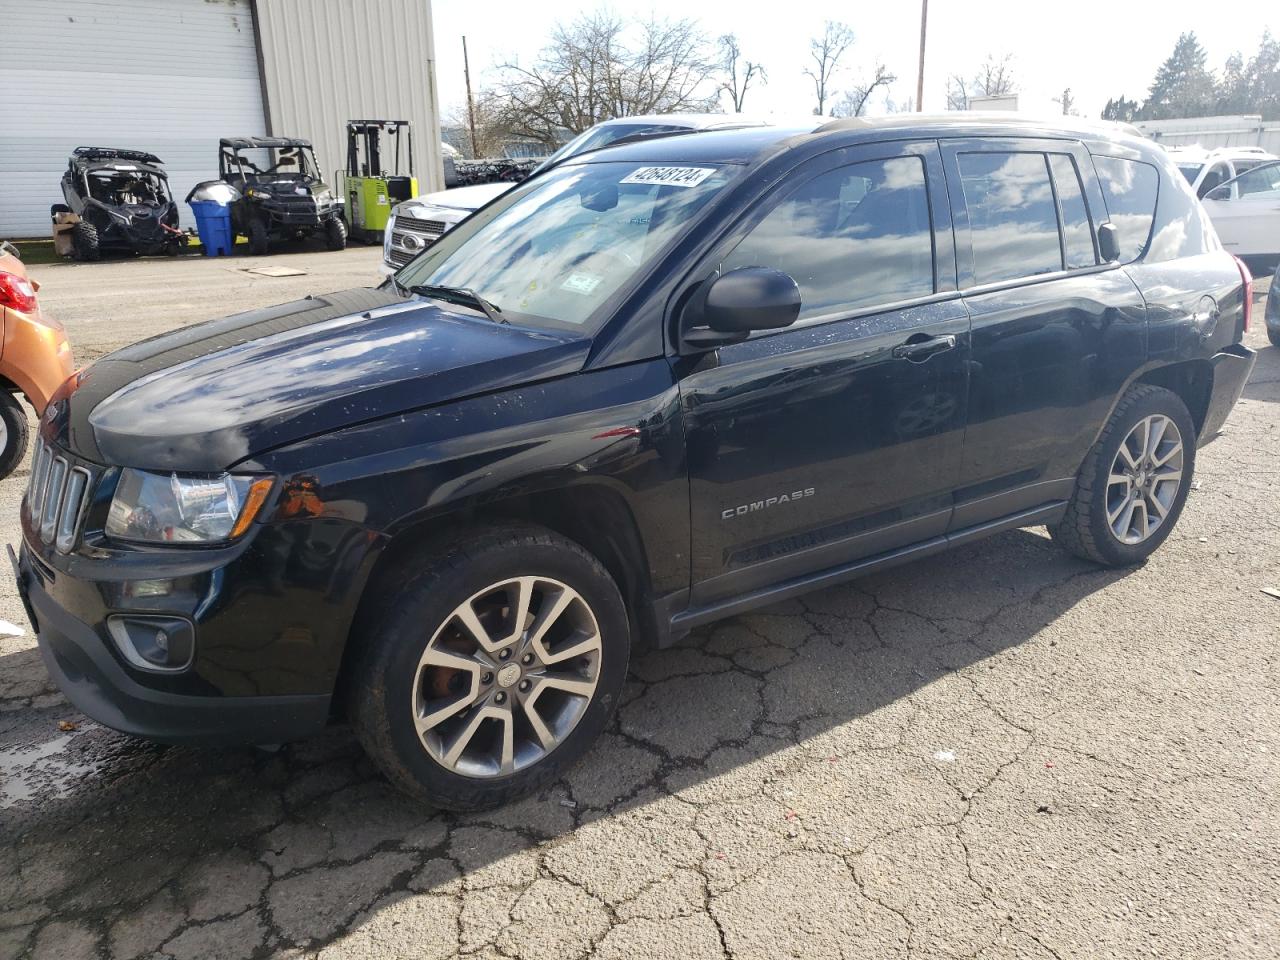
17 293
1246 277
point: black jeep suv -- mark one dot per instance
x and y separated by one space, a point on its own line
651 387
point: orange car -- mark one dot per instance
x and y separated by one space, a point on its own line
35 357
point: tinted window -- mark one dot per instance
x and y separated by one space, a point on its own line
1077 234
1012 219
1129 187
853 237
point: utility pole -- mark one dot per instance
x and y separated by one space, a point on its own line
924 19
471 107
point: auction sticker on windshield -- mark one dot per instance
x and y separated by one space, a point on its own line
669 176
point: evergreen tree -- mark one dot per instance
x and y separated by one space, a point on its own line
1120 109
1184 86
1253 86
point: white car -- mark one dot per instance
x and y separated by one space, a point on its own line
1206 170
416 224
1246 212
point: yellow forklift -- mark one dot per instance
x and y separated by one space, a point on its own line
379 174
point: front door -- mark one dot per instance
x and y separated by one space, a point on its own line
1246 212
837 438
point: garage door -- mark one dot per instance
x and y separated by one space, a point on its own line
168 76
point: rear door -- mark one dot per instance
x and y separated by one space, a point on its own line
839 437
1055 333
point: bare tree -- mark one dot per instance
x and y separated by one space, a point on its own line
854 101
1068 103
994 78
739 72
826 51
599 67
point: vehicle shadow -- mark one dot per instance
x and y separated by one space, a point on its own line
136 845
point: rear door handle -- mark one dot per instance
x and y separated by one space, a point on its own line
920 347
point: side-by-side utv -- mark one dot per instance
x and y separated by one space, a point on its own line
122 199
281 193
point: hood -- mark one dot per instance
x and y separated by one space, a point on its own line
205 397
460 198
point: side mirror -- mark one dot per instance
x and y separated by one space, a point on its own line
1219 193
1109 242
734 304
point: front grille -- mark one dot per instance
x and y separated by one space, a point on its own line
56 496
398 258
432 227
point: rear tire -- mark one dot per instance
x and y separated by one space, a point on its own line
1126 503
259 238
84 242
335 234
13 434
1273 333
550 689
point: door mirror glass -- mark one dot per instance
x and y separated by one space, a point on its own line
748 299
1109 242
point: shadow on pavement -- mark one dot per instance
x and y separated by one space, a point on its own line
130 846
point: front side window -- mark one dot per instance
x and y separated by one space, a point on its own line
1012 219
851 238
1260 183
1077 232
1130 189
552 251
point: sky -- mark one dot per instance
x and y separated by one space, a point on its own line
1099 49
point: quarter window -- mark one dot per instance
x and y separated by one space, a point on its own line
1130 188
1077 233
1012 219
854 237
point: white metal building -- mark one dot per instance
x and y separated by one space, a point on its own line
1209 132
173 76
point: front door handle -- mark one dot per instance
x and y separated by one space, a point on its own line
920 347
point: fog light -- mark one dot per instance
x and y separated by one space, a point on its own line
165 644
148 588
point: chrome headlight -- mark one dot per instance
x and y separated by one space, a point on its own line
168 508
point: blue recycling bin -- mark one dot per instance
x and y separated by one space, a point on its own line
213 223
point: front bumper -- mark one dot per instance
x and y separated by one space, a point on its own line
1231 369
91 676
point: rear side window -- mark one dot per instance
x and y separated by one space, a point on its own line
1130 189
1077 233
1013 222
853 237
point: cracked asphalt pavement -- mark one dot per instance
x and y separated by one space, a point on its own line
1002 752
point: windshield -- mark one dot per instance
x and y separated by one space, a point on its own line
122 185
1190 171
551 252
602 135
274 163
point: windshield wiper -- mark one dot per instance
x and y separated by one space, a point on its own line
461 295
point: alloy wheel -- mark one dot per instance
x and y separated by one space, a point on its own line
507 676
1144 480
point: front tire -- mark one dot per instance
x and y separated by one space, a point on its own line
1273 333
497 663
13 434
335 234
1134 482
84 242
259 237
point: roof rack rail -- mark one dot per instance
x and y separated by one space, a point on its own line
115 153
